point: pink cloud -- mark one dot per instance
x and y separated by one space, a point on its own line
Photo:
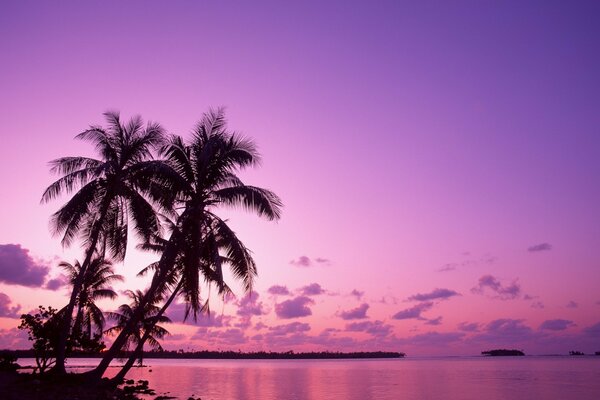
278 290
504 292
436 294
357 293
359 312
294 308
17 267
314 289
413 312
56 283
6 310
468 327
249 306
305 261
302 261
292 327
556 324
375 328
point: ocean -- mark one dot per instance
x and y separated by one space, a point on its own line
448 378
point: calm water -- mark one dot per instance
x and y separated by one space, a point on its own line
411 378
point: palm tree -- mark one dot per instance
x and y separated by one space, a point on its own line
206 179
109 191
89 319
183 279
146 327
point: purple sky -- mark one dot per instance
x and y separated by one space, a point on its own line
438 161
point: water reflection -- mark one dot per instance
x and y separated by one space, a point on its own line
520 378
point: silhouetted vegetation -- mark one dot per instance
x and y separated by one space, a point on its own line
502 352
576 353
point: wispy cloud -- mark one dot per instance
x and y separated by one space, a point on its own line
359 312
436 294
375 328
572 304
305 261
492 284
540 247
358 294
556 324
413 312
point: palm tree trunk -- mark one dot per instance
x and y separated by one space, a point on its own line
166 263
139 350
65 328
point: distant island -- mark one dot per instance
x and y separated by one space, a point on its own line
238 355
502 352
576 353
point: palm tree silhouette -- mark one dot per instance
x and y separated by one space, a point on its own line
89 319
146 327
206 179
109 191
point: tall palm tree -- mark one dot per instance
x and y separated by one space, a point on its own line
146 326
108 192
206 180
89 319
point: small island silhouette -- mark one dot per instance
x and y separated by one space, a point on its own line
502 352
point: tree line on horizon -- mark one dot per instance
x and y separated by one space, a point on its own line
167 190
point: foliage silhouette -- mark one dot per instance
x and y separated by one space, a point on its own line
108 192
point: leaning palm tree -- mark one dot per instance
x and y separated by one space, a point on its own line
206 180
184 278
89 319
146 326
108 192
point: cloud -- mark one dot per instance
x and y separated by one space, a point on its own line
294 308
537 305
6 310
435 338
292 327
556 324
436 294
572 304
503 292
17 267
375 328
468 327
176 313
250 306
359 312
278 290
314 289
506 332
56 283
358 294
305 261
413 312
540 247
14 339
435 321
448 267
302 261
593 330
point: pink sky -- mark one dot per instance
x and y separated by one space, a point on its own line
437 159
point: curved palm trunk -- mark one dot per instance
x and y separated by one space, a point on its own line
166 263
139 350
65 327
